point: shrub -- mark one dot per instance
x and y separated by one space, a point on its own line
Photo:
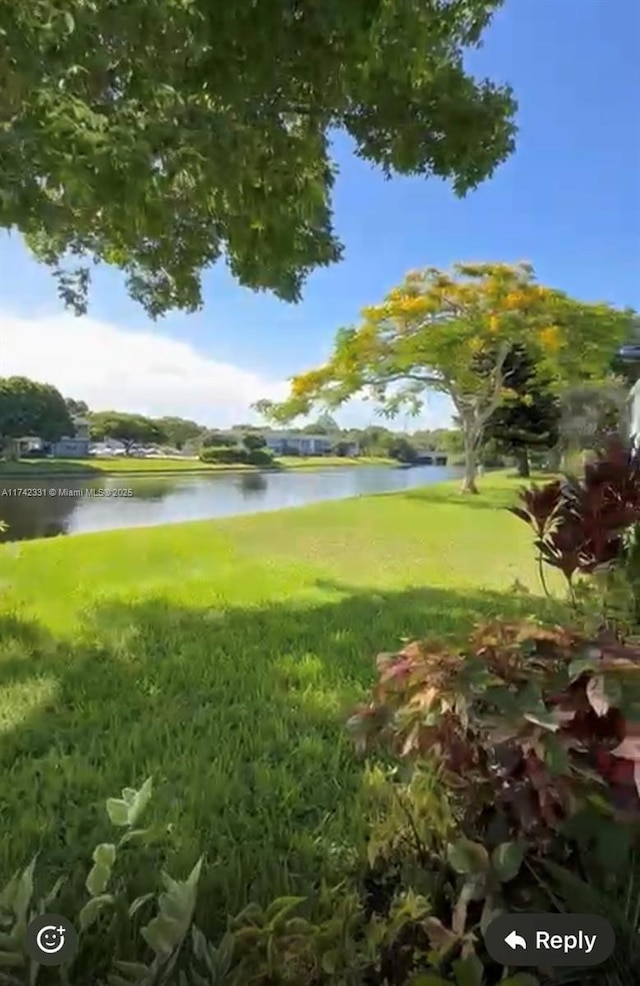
534 734
237 456
260 457
527 724
582 525
253 441
588 528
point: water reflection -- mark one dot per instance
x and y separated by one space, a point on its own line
169 499
250 483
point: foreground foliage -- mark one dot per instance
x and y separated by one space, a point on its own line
343 943
540 717
162 135
588 526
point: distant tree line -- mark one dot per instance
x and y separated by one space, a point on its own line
537 425
29 408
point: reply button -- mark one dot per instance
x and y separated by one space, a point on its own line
550 940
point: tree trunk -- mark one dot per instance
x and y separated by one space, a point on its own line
470 469
11 449
522 460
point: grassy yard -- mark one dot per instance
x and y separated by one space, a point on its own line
222 658
33 468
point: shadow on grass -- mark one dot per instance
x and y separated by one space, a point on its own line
237 714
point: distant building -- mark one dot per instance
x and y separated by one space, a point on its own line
286 443
69 447
73 447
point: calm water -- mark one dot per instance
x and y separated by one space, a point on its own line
169 499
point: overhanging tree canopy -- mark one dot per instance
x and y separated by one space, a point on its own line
161 135
452 332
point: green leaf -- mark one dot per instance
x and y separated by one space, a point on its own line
465 856
468 971
139 902
104 857
16 898
118 811
125 811
506 860
556 756
166 932
91 910
281 907
330 961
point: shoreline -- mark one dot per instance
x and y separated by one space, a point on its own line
35 471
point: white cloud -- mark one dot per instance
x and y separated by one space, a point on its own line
139 371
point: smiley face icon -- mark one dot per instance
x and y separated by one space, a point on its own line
51 940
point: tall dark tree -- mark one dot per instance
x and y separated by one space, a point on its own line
529 419
161 135
29 408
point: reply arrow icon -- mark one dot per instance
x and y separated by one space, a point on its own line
514 940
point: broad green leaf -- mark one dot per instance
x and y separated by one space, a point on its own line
468 971
125 811
281 907
104 857
506 860
166 932
520 979
97 879
467 857
118 811
91 910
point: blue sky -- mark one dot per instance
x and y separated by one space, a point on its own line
568 201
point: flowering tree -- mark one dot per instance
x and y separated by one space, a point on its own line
451 332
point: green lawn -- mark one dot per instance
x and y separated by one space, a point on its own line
32 468
222 658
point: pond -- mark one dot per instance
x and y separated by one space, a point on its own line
77 506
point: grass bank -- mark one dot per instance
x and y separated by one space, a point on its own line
222 657
65 468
